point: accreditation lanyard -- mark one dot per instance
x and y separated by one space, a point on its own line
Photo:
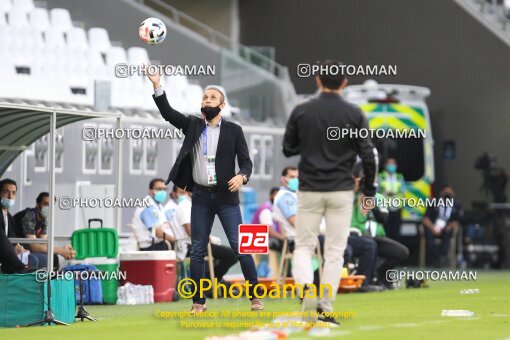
210 163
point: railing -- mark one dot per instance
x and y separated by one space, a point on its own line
493 14
218 38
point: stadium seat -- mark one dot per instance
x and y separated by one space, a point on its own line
39 19
137 56
61 19
174 87
116 55
23 5
5 5
18 18
99 40
97 66
3 20
77 43
193 97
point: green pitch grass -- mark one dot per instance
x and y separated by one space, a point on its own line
398 314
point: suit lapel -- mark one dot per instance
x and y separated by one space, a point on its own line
198 133
223 135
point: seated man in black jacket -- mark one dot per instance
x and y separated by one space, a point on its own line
440 223
9 254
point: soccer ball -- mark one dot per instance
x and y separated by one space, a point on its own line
152 31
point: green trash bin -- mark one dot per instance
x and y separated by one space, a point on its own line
110 266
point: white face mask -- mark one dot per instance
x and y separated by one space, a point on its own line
7 203
45 211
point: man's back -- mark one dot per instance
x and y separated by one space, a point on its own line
327 158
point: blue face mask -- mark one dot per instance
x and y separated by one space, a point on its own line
391 168
181 198
293 184
7 203
160 196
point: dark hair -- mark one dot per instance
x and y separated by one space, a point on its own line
40 197
7 181
286 170
331 80
444 186
174 188
153 182
273 190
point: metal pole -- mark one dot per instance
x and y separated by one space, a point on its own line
118 179
51 219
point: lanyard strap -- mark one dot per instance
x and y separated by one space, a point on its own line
204 141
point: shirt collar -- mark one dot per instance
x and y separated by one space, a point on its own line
209 124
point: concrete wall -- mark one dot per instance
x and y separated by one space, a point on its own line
434 43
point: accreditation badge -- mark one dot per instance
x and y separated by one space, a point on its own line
211 170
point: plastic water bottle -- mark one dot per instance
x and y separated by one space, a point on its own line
470 291
457 312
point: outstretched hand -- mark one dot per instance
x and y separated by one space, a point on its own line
154 76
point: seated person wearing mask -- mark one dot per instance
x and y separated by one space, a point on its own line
151 225
32 223
10 255
440 222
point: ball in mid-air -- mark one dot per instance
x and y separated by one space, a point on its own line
152 31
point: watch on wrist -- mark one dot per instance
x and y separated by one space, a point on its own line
245 179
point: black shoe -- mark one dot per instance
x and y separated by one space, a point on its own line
326 318
369 289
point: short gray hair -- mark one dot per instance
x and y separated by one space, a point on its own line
214 88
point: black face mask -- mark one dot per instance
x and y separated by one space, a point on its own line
210 112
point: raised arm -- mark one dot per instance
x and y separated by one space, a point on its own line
171 115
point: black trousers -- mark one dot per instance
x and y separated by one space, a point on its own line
393 223
436 252
8 257
391 254
365 250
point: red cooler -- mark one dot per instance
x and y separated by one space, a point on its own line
155 268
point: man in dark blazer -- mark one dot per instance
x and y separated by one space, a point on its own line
206 167
8 257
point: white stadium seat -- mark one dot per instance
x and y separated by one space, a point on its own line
77 42
63 59
5 5
99 40
506 8
39 19
97 66
23 5
3 19
115 55
18 18
60 19
138 56
193 98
